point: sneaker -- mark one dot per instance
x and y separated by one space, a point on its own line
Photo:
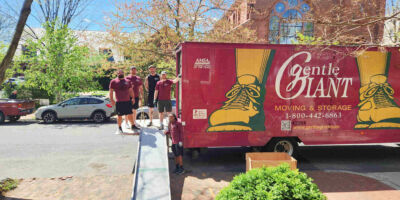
176 171
150 124
119 131
181 171
127 125
134 127
161 127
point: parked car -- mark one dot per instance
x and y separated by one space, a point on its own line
98 109
13 109
144 112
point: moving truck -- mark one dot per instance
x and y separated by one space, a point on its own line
275 96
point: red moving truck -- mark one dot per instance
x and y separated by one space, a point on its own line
275 96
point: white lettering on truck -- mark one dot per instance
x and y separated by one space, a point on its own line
314 88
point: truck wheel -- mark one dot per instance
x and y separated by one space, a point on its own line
2 117
49 117
99 117
286 145
142 115
14 118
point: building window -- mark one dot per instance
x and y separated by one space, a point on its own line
286 21
27 52
108 53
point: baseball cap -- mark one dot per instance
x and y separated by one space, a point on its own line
133 67
152 66
163 72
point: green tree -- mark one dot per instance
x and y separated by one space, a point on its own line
57 64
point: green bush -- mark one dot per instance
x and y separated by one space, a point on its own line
25 92
274 183
7 185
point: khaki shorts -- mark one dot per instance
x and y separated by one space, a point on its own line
164 106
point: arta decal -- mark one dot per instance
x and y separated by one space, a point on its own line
377 108
243 110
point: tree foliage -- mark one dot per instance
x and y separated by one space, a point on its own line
273 183
148 31
57 65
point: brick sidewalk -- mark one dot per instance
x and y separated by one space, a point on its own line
335 185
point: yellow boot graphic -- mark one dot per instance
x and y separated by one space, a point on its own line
243 111
377 108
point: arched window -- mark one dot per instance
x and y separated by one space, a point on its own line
286 21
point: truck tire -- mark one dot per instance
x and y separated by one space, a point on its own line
49 117
99 117
142 115
14 118
287 145
2 117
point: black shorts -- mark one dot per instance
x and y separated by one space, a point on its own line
150 99
177 150
164 106
123 108
136 105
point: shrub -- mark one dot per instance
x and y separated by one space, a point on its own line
7 185
274 183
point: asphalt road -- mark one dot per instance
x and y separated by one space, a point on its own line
381 162
29 149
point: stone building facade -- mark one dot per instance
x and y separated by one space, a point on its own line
277 21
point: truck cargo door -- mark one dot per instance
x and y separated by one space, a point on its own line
179 89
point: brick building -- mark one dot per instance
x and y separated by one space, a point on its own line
277 21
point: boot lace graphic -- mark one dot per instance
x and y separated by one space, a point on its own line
240 96
381 94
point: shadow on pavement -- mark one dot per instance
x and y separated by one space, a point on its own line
19 123
70 123
327 165
359 159
10 198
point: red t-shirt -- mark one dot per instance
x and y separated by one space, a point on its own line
136 83
121 88
164 89
175 129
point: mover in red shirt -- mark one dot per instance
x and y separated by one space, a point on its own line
136 82
175 130
124 98
163 95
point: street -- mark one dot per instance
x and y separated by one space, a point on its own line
29 149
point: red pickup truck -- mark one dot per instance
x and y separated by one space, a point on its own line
13 109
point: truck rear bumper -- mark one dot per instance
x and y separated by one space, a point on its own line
25 112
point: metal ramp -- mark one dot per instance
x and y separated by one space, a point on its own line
151 179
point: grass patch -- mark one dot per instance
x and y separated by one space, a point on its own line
7 185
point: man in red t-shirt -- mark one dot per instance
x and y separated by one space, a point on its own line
124 98
136 82
163 93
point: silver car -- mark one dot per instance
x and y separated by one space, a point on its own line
84 107
144 112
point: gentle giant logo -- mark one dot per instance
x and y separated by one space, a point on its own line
302 77
202 63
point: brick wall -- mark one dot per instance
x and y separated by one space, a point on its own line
321 11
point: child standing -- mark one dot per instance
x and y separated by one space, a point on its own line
175 130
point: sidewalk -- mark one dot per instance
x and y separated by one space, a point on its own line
202 184
71 188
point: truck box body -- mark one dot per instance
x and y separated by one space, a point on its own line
246 94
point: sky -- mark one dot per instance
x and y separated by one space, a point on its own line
91 19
